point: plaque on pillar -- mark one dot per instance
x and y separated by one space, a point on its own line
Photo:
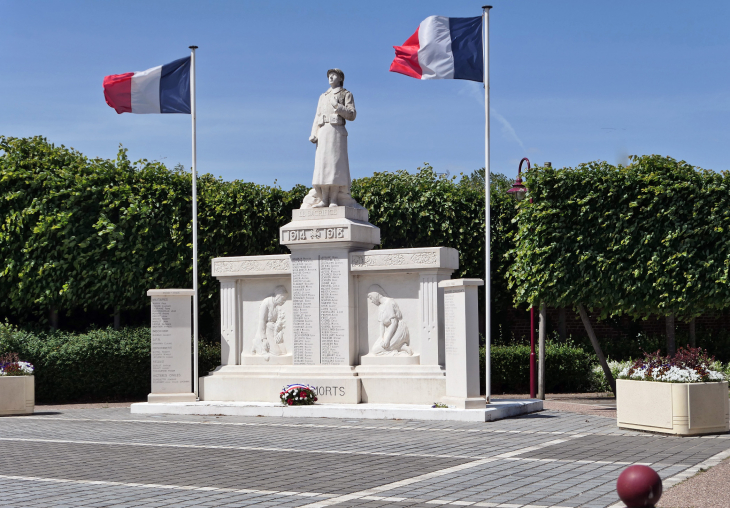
171 345
461 343
320 241
320 293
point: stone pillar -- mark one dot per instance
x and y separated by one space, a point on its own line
431 300
229 321
171 355
461 339
320 241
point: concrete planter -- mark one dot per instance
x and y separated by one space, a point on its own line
17 395
673 408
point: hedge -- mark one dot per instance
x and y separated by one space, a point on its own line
569 368
96 234
115 365
650 238
97 365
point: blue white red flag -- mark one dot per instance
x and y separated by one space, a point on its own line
443 48
161 89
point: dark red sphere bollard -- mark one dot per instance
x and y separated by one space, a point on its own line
639 487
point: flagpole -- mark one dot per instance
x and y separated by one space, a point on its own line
195 222
488 217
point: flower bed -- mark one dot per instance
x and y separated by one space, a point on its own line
298 395
17 386
673 395
691 365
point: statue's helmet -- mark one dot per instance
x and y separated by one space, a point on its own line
339 73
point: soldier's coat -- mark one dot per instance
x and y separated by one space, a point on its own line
331 164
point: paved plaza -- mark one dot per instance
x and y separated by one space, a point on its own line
109 457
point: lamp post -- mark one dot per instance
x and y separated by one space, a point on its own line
519 192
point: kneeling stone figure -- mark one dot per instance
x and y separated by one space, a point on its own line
269 338
394 339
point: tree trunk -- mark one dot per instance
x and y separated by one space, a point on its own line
692 334
561 324
53 318
597 348
671 344
541 353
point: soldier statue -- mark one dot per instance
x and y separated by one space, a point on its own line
331 180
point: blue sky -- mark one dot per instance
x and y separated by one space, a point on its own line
572 81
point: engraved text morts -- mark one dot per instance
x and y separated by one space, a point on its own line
269 338
171 346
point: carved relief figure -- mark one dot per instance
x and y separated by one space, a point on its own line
331 180
394 339
269 337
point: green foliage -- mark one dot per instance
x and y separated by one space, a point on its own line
209 356
423 209
97 365
97 234
568 368
77 233
599 383
649 238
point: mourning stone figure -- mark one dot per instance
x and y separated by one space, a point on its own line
394 338
269 338
331 180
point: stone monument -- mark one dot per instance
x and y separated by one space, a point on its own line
171 345
360 325
461 341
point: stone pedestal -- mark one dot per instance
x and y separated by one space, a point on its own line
461 341
171 346
320 241
326 330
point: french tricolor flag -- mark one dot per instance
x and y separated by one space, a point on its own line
161 89
443 48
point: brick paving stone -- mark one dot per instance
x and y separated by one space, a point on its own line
552 458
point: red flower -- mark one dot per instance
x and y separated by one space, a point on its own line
290 402
315 399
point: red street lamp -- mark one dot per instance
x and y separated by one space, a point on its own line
519 192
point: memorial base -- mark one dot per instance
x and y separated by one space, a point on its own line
497 410
406 384
390 360
464 403
153 398
266 360
263 383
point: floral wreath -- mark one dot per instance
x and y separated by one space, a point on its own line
298 395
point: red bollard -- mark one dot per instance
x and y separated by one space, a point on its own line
639 486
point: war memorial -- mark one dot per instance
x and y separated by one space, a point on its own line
378 333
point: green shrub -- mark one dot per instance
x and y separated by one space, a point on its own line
650 238
96 365
95 234
568 368
598 377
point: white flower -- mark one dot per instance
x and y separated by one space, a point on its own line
26 367
673 375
